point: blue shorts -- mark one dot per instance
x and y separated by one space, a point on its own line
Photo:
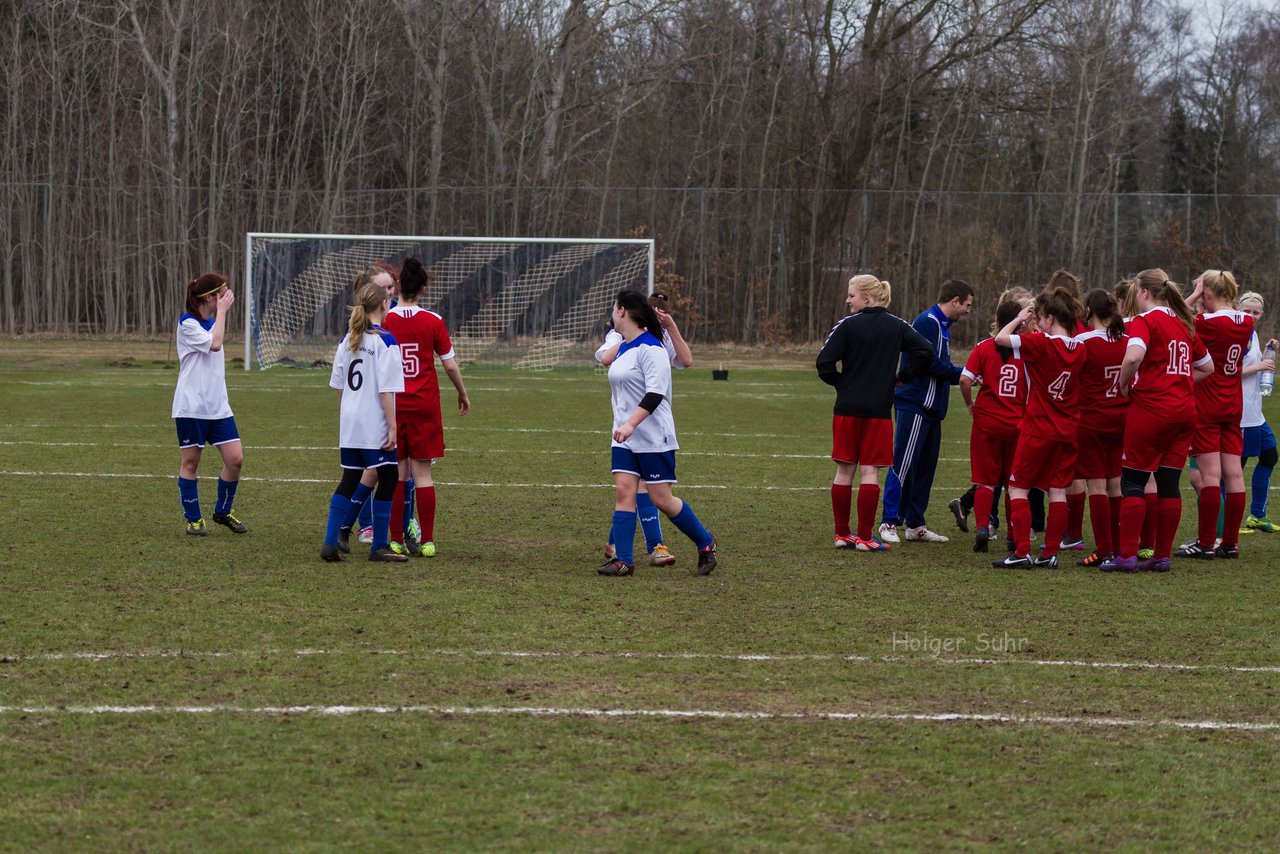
366 458
198 432
1258 439
651 468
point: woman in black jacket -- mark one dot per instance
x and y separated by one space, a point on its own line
860 358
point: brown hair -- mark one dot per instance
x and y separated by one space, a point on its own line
369 299
954 289
1068 282
1005 313
1061 305
414 278
1156 281
1103 305
638 309
200 287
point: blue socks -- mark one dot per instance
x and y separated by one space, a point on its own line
1260 483
226 496
687 521
189 490
381 523
366 513
649 521
339 510
624 535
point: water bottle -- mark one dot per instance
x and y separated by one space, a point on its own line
1267 379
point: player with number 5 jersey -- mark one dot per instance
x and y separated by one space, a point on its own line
423 338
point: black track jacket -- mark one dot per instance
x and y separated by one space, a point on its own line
867 345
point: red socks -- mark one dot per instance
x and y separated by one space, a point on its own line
1100 516
1020 526
1232 517
1207 529
868 501
1055 524
841 503
426 502
1115 522
1075 517
982 499
397 513
1170 512
1133 511
1150 521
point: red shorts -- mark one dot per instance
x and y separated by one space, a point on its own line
862 441
1042 463
1218 438
990 456
1098 454
1153 441
419 437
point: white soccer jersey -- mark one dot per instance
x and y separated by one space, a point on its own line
640 368
1251 415
361 376
613 337
202 379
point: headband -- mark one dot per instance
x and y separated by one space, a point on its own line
220 286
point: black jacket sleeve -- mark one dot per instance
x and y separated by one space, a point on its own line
919 355
830 354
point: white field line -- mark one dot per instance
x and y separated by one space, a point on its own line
108 655
714 714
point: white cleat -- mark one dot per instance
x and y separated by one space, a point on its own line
924 535
889 533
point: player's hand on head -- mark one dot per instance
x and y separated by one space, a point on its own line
226 298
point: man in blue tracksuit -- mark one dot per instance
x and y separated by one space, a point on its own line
919 407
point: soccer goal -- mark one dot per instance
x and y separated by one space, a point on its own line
531 303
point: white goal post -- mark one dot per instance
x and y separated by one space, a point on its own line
532 303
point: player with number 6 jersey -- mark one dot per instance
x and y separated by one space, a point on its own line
423 338
997 414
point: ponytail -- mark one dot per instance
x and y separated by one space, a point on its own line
200 287
1156 282
413 279
1103 305
639 310
369 300
1061 305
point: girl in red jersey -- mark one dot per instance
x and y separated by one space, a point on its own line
1218 440
860 358
422 337
1102 412
1046 446
1045 458
997 414
1167 357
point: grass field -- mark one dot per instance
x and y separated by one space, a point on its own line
166 692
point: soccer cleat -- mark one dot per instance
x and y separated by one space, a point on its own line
1227 552
846 541
387 555
399 548
1194 550
1050 562
366 535
1119 564
1012 562
871 544
610 552
1074 544
980 540
962 518
924 535
331 554
1155 564
616 567
888 534
1095 558
707 558
661 556
344 540
1263 524
228 520
1146 554
427 549
197 528
414 532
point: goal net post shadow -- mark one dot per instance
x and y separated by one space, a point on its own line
531 303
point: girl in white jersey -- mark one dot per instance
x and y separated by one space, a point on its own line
367 374
200 407
644 435
681 357
1259 440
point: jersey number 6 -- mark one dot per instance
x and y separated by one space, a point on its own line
355 379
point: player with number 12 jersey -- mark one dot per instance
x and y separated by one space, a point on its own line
1162 418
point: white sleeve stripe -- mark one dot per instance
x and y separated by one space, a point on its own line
1207 358
449 355
967 373
1137 342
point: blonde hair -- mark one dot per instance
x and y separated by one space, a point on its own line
1221 284
1251 295
1156 281
366 277
877 291
1014 294
369 300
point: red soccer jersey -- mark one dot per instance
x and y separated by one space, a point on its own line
421 336
1003 396
1219 396
1163 385
1101 404
1053 366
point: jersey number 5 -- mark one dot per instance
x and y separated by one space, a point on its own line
409 355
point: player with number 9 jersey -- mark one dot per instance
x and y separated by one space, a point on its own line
1225 334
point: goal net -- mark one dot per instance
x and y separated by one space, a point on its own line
530 303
